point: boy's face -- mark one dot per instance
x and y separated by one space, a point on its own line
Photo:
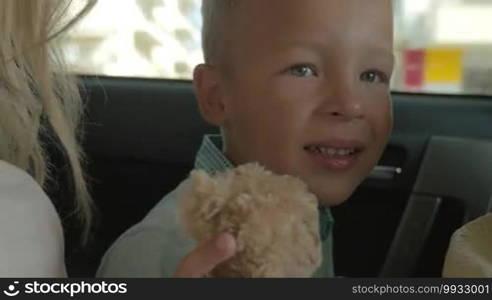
305 89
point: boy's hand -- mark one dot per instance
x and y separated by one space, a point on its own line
201 261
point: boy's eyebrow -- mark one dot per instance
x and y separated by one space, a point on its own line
385 53
301 43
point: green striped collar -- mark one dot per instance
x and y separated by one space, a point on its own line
210 157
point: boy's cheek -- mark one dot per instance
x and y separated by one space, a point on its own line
380 120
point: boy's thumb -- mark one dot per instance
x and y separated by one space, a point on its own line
207 256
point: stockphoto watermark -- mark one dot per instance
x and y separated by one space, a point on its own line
67 288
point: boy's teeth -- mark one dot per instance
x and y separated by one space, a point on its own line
332 151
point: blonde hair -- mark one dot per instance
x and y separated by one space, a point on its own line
214 14
37 95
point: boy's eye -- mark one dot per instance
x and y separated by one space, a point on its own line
374 77
302 71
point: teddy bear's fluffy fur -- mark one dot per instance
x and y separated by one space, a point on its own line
273 218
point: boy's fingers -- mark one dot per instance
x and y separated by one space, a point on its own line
203 259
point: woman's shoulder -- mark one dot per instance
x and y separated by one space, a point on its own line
11 175
31 233
19 189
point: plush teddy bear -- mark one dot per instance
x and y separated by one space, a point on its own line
274 219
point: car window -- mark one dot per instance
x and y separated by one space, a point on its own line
441 46
137 38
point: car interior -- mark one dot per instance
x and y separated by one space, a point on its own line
142 129
434 176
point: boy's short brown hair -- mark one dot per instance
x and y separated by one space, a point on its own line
214 13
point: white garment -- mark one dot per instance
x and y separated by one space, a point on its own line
470 251
31 235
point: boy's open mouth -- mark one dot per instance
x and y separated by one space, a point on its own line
331 151
339 156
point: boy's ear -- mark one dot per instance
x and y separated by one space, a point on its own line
208 93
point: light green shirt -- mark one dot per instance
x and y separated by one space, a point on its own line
155 246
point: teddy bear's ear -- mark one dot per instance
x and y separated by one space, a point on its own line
251 169
201 182
209 194
212 207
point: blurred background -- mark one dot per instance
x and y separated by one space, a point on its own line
442 46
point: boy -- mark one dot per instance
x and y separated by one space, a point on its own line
302 87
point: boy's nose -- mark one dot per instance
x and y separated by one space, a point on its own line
344 103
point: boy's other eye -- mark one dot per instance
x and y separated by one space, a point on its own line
303 71
374 76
